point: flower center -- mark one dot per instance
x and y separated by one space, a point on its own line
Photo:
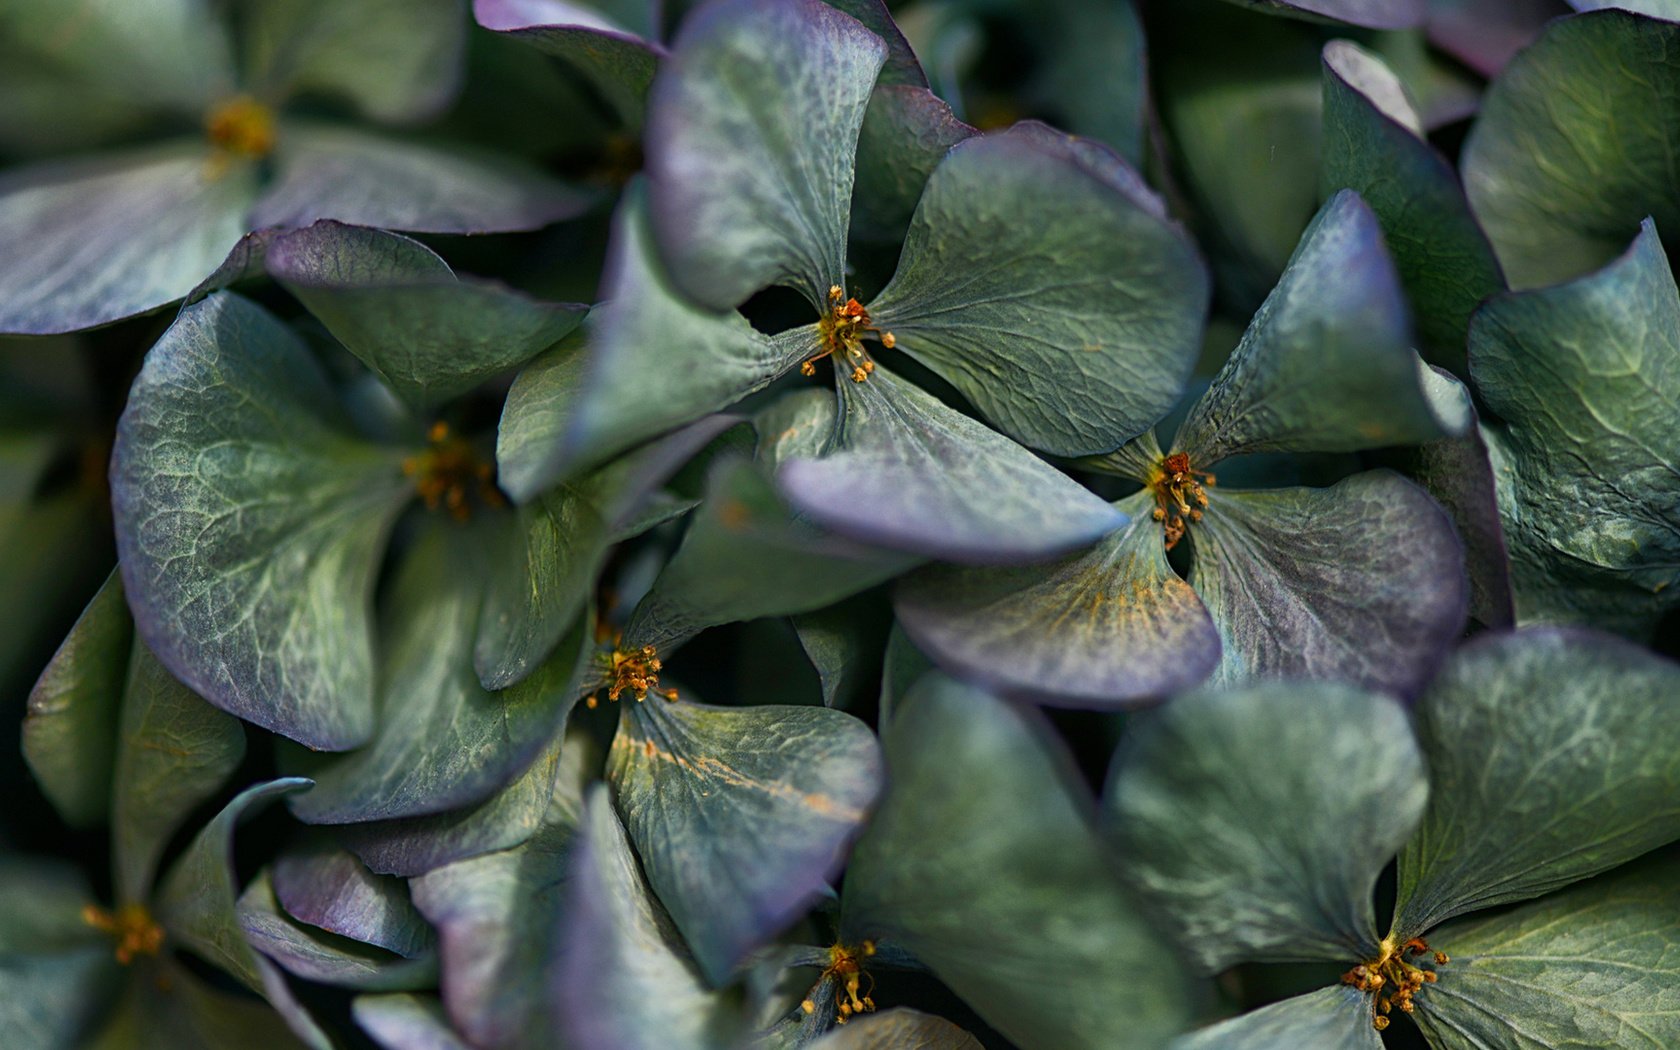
1179 497
845 967
449 472
132 926
241 127
844 328
1390 980
633 671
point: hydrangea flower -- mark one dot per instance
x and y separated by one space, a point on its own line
88 240
1072 356
1540 767
1361 581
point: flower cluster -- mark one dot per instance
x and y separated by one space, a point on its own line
935 524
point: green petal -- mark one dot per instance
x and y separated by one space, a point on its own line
1332 1018
651 361
1363 582
1596 98
1553 755
898 1029
1327 363
1110 626
543 576
1458 473
89 241
70 732
41 903
196 905
613 45
1586 377
396 60
1374 14
73 78
907 130
1597 965
747 555
496 915
415 845
319 883
906 472
49 1002
329 171
403 1021
173 1007
620 980
174 751
761 800
397 306
1239 100
1374 144
1257 820
1086 336
316 955
443 741
764 97
982 862
250 522
1097 81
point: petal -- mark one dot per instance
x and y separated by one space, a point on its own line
74 78
417 845
324 171
613 44
1257 820
907 130
1591 966
250 522
1327 363
314 955
398 307
196 905
650 361
1373 14
747 555
1374 144
1111 626
1552 757
904 471
443 741
496 916
1330 1017
1042 279
620 980
752 127
1362 582
762 800
403 1021
1596 96
70 731
983 863
326 886
88 242
1586 377
174 752
397 61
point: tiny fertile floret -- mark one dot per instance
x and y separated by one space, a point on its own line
844 328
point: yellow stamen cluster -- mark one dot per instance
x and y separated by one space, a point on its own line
241 127
844 328
633 671
449 472
1179 497
845 967
1390 980
132 925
